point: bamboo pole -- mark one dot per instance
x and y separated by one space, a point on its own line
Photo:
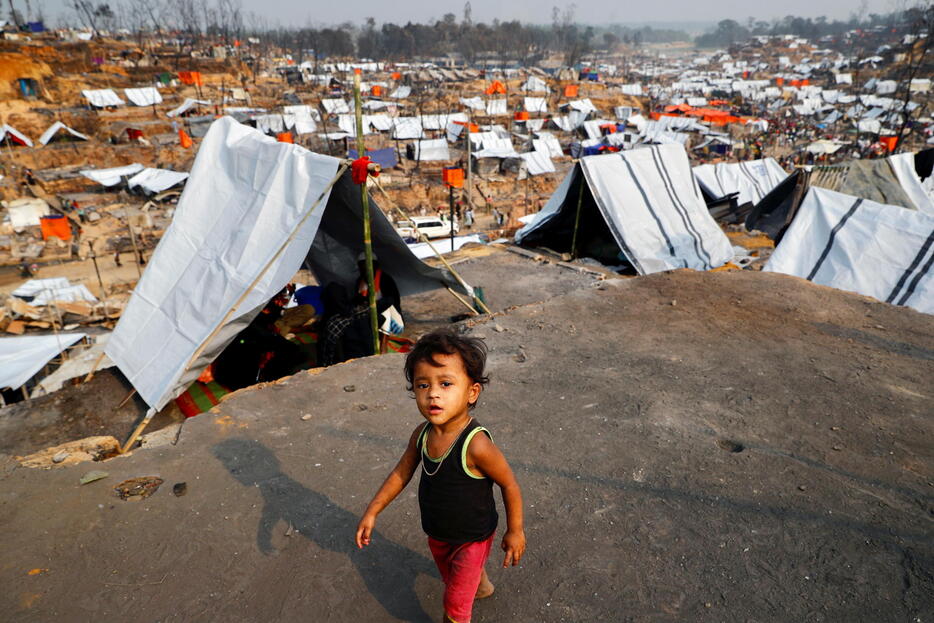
129 225
365 198
152 412
577 215
469 167
425 239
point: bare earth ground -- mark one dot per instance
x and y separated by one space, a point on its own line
691 447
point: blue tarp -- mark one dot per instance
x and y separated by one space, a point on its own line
385 158
36 26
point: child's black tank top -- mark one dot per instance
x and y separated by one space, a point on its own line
456 506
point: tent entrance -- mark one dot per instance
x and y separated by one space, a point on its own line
594 238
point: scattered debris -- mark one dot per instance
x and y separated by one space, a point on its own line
139 487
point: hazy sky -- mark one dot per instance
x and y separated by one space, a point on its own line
534 11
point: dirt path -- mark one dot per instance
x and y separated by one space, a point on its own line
691 446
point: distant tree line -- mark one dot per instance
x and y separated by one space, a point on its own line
730 31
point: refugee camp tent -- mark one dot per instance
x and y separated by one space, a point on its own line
26 212
548 143
187 105
496 107
538 162
535 104
401 92
41 292
855 244
101 98
335 106
428 150
23 356
534 84
145 96
875 180
254 211
11 135
642 206
112 176
753 179
156 180
406 128
57 127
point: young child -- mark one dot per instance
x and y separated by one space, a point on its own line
458 468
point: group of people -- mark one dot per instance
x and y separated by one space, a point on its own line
337 313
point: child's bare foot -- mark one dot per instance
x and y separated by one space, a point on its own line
486 587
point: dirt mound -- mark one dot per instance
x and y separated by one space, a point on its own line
14 66
691 446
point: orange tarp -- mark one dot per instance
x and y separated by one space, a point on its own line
496 87
522 115
284 137
190 77
397 75
59 227
473 126
453 176
376 90
184 139
890 143
571 90
679 108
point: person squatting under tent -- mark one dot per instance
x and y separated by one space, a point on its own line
345 329
340 316
260 353
459 464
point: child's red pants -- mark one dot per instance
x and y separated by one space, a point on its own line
461 567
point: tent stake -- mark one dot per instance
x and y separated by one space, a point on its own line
364 197
577 215
97 362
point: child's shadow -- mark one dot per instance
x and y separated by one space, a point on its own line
388 569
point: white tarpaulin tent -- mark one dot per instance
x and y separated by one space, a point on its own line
903 165
401 92
253 211
335 106
534 84
101 98
651 205
753 179
496 107
10 133
538 162
187 105
854 244
474 103
111 177
548 143
432 150
145 96
26 212
57 127
156 180
406 128
41 292
22 357
535 104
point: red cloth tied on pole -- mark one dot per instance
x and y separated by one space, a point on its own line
359 170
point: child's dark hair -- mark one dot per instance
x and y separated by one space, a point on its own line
472 352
